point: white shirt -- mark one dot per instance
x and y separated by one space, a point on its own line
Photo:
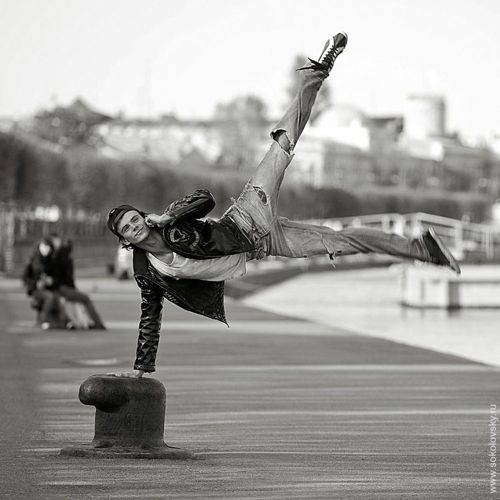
219 269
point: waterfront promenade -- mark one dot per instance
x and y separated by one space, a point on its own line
274 406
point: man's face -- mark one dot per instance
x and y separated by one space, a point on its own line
132 227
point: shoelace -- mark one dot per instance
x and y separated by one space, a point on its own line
331 56
327 60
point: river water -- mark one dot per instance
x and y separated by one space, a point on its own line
367 302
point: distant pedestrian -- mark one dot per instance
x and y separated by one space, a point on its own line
187 259
41 287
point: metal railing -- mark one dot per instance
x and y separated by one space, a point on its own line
21 229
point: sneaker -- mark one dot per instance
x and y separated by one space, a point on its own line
334 46
438 252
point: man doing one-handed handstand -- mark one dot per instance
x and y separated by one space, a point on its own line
182 257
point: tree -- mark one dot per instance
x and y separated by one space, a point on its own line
242 122
32 174
323 99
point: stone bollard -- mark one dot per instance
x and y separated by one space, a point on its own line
129 419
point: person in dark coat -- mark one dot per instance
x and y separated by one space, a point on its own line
41 287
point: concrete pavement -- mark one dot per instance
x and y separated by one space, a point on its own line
275 407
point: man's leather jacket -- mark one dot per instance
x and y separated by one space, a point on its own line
190 237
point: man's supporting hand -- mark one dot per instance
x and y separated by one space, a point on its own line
134 374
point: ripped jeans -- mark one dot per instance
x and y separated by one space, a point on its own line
255 211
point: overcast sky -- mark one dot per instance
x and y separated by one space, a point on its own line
191 54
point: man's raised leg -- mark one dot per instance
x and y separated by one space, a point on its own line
255 210
271 170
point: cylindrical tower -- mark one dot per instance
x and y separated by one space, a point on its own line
425 116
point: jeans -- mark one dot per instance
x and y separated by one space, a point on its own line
298 239
255 211
48 304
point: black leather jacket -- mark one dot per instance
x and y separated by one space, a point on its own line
191 237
